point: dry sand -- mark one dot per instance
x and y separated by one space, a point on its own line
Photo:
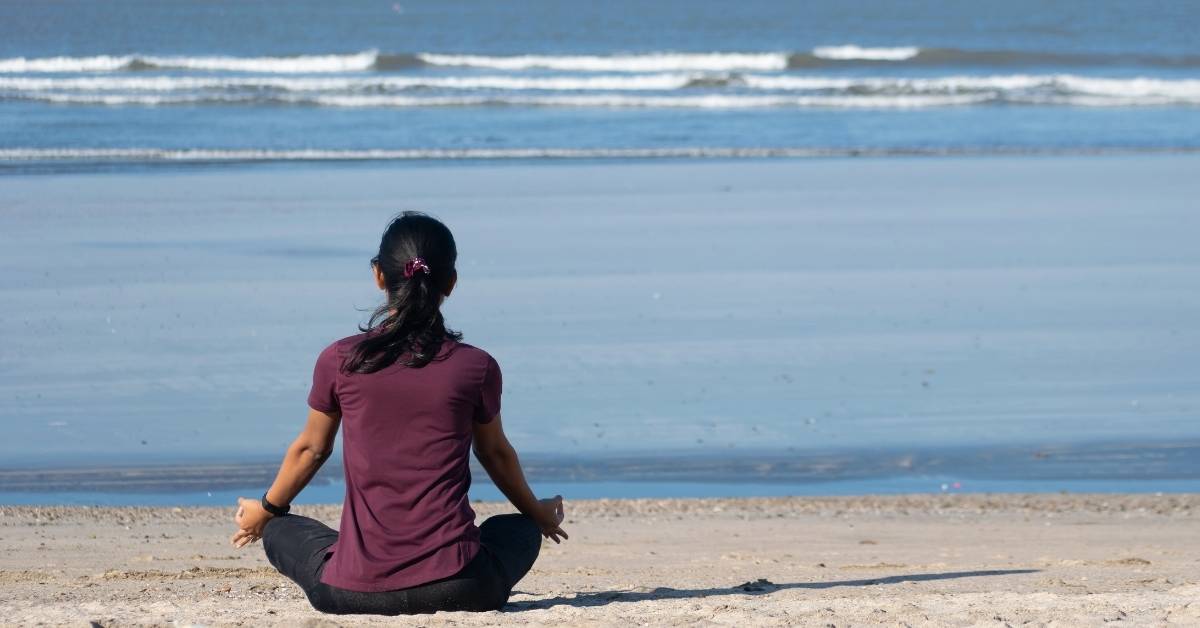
911 560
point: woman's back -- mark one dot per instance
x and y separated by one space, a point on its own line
406 442
410 398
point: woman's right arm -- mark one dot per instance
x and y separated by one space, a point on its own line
500 461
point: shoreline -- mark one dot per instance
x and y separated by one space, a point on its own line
928 560
183 161
1095 467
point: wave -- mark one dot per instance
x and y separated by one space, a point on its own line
615 101
852 52
656 62
372 60
672 90
623 82
195 155
1015 88
300 64
850 55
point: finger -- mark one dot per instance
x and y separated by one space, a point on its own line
239 536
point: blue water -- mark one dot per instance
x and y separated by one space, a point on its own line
333 493
124 82
1009 299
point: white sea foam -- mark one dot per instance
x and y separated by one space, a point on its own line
102 63
654 62
853 52
620 82
949 84
641 62
1017 87
145 100
1178 89
622 101
614 101
707 101
279 65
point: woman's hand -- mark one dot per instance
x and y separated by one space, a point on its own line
250 520
550 516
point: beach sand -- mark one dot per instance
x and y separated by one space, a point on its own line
900 560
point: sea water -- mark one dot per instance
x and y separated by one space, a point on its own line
116 83
691 295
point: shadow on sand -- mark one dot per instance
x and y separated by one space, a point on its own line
759 587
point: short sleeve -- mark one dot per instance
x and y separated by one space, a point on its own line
323 395
489 393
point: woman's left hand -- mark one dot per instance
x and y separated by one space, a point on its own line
250 520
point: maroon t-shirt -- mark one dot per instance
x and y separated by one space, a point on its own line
406 442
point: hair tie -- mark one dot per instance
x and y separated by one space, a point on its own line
413 265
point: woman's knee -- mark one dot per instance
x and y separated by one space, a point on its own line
510 523
520 528
270 537
282 540
531 533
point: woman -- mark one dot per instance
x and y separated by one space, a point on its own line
412 398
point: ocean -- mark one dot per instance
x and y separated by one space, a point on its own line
821 248
86 85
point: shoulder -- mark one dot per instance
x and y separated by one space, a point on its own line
339 349
471 354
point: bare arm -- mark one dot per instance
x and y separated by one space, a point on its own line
500 461
303 459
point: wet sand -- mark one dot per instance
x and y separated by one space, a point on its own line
790 306
903 560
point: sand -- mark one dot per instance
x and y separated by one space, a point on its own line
952 560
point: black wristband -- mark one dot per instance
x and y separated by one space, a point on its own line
273 509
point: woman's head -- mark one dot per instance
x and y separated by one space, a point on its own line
415 269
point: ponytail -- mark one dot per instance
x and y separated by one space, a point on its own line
416 258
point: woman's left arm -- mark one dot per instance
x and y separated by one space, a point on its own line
301 462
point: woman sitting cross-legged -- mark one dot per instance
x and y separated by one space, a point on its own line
412 399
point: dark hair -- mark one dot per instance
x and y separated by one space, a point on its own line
416 257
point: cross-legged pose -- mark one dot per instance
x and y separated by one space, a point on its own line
411 398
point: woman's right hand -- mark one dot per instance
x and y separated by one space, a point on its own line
550 517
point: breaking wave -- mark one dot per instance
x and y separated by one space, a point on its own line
300 64
373 60
623 101
667 90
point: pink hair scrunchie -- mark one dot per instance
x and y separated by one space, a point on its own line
413 265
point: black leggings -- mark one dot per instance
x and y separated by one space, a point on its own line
297 546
